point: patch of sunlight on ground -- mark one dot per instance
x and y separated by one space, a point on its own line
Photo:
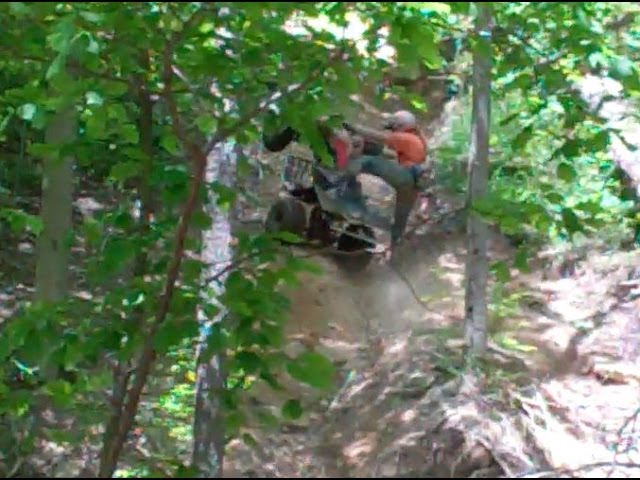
360 448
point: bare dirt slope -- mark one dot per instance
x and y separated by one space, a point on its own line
560 391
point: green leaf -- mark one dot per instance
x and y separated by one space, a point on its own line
96 127
184 471
17 403
117 253
93 98
521 261
566 172
92 17
235 420
20 221
62 436
171 333
501 271
267 419
521 140
117 112
125 170
249 361
170 143
27 111
510 118
430 53
620 67
250 441
461 8
218 339
292 410
206 124
56 67
63 31
555 197
116 89
272 381
514 345
130 133
570 149
600 141
61 393
225 196
571 221
19 9
312 369
435 7
287 237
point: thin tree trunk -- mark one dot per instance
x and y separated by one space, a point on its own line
618 113
477 269
53 246
208 429
121 370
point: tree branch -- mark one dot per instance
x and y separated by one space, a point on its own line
199 157
224 132
145 362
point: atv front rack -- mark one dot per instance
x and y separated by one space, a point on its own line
296 171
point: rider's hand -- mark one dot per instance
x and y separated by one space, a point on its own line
348 127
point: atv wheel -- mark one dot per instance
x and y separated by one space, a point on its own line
352 254
287 215
319 227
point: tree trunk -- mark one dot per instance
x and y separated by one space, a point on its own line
208 429
121 373
618 114
53 247
477 268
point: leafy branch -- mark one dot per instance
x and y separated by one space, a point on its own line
125 416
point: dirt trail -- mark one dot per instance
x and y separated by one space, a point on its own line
561 338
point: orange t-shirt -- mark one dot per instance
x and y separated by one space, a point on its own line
409 147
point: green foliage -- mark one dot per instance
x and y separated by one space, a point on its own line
313 369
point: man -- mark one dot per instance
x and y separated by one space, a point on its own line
405 149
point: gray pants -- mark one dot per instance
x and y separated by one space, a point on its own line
402 180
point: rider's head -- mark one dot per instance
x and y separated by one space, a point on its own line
403 121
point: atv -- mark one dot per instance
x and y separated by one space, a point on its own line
324 205
326 208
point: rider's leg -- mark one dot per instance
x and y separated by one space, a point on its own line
387 169
405 200
400 178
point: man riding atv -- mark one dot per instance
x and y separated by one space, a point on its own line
407 149
395 155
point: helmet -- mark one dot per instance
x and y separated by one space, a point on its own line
403 120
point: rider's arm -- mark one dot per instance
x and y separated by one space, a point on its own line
379 137
389 153
371 133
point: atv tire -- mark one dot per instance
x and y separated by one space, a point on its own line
287 215
352 254
319 227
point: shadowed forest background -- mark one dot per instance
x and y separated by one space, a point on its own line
150 326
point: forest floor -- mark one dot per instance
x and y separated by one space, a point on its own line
560 391
558 395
